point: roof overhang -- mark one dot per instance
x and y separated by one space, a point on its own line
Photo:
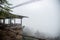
10 15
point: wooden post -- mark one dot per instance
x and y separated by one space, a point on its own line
10 21
22 30
0 20
23 38
14 21
4 21
21 22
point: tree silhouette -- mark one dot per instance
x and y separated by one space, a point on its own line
4 9
4 5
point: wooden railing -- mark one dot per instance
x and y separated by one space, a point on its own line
31 37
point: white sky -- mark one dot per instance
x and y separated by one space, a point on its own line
43 15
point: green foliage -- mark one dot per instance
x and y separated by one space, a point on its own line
4 5
4 8
4 2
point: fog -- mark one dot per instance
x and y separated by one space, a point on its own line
43 15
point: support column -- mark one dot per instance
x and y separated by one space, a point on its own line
23 38
21 22
10 21
0 20
22 30
14 21
4 21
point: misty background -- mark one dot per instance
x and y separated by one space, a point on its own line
43 15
